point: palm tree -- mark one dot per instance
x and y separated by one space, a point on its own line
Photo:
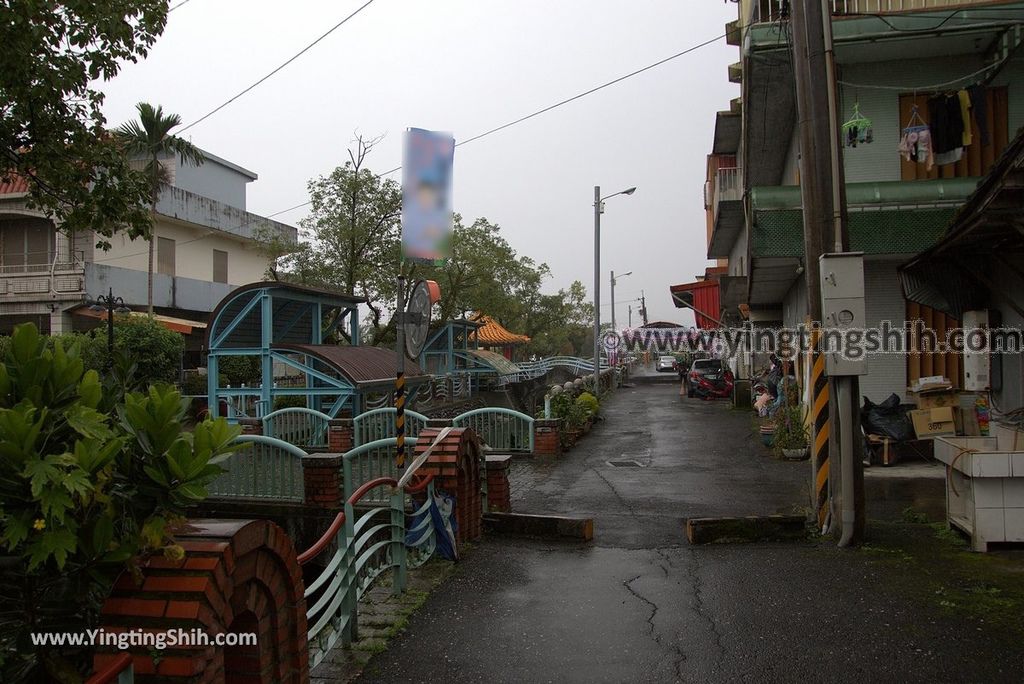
150 139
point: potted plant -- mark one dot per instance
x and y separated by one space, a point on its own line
767 432
790 435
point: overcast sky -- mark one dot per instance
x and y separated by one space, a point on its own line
467 66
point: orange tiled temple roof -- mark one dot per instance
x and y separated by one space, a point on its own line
494 334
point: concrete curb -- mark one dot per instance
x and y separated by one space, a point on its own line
749 528
549 526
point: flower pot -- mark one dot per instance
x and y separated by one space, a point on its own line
767 435
798 454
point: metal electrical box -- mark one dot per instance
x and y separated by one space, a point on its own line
842 311
977 371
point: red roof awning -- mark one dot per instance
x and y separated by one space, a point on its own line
701 296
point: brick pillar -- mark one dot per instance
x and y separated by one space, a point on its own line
546 437
498 497
455 464
251 426
322 476
340 435
236 576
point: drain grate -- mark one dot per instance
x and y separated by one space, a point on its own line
625 464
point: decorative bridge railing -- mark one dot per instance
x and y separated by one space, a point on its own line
500 429
385 537
268 470
380 424
529 370
303 427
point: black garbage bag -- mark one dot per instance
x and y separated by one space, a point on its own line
888 419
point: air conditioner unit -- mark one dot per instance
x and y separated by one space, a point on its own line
977 364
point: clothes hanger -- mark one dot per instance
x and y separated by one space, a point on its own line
856 120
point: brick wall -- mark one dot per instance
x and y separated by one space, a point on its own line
323 480
236 576
497 483
340 435
455 464
546 437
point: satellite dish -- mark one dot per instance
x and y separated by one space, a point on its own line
417 316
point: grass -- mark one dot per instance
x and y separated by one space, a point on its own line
933 564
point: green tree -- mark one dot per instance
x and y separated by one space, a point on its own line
351 235
150 139
52 130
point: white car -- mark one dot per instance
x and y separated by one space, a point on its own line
666 364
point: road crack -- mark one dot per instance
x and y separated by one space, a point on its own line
652 628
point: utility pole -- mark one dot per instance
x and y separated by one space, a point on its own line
613 281
823 197
630 315
643 307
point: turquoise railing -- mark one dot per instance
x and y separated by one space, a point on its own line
501 429
535 369
303 427
269 470
365 548
380 424
372 461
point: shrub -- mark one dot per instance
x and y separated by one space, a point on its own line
589 403
87 488
235 370
790 431
289 402
155 349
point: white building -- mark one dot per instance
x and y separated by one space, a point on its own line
206 244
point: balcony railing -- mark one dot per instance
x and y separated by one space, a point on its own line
774 10
40 273
728 187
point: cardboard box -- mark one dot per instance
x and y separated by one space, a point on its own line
932 398
934 422
931 382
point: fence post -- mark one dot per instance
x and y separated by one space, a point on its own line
347 573
398 552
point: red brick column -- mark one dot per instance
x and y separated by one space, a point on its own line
251 426
323 478
497 483
340 435
546 437
237 576
455 464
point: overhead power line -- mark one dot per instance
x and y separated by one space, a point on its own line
282 66
558 104
183 2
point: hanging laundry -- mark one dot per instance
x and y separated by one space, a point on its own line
951 157
947 123
965 114
916 141
857 129
979 106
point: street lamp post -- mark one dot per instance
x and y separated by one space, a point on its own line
621 275
598 210
111 305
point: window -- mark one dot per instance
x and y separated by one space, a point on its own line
28 244
165 256
220 266
978 158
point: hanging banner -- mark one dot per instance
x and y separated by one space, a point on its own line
427 196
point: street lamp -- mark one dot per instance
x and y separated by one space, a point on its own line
621 275
598 210
111 305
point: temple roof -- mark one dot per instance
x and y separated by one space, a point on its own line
494 334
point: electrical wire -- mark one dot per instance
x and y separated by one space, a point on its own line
502 126
925 88
281 66
183 2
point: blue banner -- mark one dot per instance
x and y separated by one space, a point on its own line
427 196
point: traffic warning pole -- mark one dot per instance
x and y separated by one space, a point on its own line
400 375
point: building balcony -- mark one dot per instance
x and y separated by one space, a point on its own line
884 219
29 277
725 197
768 11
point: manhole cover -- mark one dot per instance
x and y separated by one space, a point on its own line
625 464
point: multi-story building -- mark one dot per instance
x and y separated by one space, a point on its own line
893 57
206 244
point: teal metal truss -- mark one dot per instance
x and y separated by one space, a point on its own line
277 322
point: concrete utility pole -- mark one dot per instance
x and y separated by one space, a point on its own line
613 281
643 307
823 197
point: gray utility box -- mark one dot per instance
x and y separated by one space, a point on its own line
842 312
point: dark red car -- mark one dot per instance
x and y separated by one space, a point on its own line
709 378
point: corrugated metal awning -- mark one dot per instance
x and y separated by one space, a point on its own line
362 366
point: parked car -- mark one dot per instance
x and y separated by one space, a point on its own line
666 364
709 378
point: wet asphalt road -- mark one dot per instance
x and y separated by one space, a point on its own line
641 605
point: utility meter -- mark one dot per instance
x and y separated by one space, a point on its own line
842 310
